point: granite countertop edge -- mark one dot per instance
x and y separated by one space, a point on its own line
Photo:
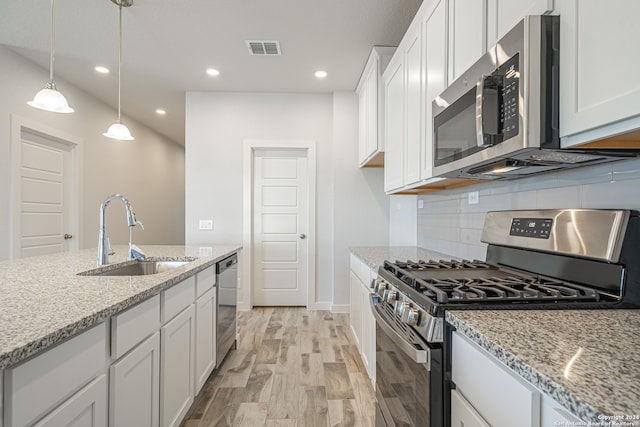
578 407
32 347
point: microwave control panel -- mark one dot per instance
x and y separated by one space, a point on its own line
509 74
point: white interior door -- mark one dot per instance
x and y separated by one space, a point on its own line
45 195
280 228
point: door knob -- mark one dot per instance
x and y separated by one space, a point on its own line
303 236
68 236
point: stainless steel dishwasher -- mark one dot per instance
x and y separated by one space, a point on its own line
227 280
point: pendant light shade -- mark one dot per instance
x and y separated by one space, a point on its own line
119 130
49 98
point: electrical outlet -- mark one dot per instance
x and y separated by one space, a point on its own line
420 204
206 224
205 251
474 197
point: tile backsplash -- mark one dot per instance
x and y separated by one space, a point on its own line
448 223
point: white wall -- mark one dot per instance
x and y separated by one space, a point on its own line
403 217
216 126
360 207
148 171
449 224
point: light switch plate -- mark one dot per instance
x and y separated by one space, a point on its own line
420 204
474 197
206 224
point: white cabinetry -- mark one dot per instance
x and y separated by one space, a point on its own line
435 31
135 386
205 337
86 408
363 324
414 97
177 367
599 64
394 123
40 385
467 34
554 414
463 414
371 102
502 15
501 398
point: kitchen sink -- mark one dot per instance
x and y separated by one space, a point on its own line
137 268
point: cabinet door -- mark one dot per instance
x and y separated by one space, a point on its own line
368 334
435 29
502 15
134 386
467 35
205 337
599 62
355 310
394 125
86 408
177 367
413 87
463 414
363 98
372 145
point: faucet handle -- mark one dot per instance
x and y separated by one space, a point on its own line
108 249
140 224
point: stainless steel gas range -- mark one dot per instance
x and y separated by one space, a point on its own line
546 259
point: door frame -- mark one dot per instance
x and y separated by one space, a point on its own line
250 146
74 143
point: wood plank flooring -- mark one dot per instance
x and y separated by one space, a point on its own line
292 368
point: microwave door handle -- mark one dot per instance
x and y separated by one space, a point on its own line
480 113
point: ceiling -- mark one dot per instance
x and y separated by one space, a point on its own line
168 45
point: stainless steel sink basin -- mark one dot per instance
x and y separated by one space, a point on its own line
138 268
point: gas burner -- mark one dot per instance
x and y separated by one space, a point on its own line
410 265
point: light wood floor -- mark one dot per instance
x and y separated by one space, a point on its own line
292 368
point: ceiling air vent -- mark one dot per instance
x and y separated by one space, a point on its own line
263 47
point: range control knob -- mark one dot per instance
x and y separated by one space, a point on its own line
400 307
379 287
411 316
390 296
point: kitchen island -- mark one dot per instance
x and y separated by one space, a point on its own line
80 341
43 300
586 360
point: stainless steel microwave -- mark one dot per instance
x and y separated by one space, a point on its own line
499 119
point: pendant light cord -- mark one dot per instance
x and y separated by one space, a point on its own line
53 37
119 63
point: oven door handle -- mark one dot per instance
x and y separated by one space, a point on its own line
416 353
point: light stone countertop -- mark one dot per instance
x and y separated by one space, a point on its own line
375 256
602 380
43 300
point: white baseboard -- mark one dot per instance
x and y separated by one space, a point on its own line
340 308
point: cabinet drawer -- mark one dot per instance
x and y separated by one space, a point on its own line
37 385
500 397
88 407
177 298
205 280
133 325
463 414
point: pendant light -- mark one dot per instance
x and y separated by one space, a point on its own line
118 130
49 98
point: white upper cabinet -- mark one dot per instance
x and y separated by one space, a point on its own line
467 34
435 33
394 124
599 62
414 87
371 105
502 15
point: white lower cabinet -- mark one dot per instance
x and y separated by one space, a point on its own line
362 322
488 393
177 367
86 408
463 414
205 350
134 388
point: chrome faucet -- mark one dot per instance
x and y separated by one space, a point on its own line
104 246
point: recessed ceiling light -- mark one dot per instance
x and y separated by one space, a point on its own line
320 74
102 70
213 72
160 112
